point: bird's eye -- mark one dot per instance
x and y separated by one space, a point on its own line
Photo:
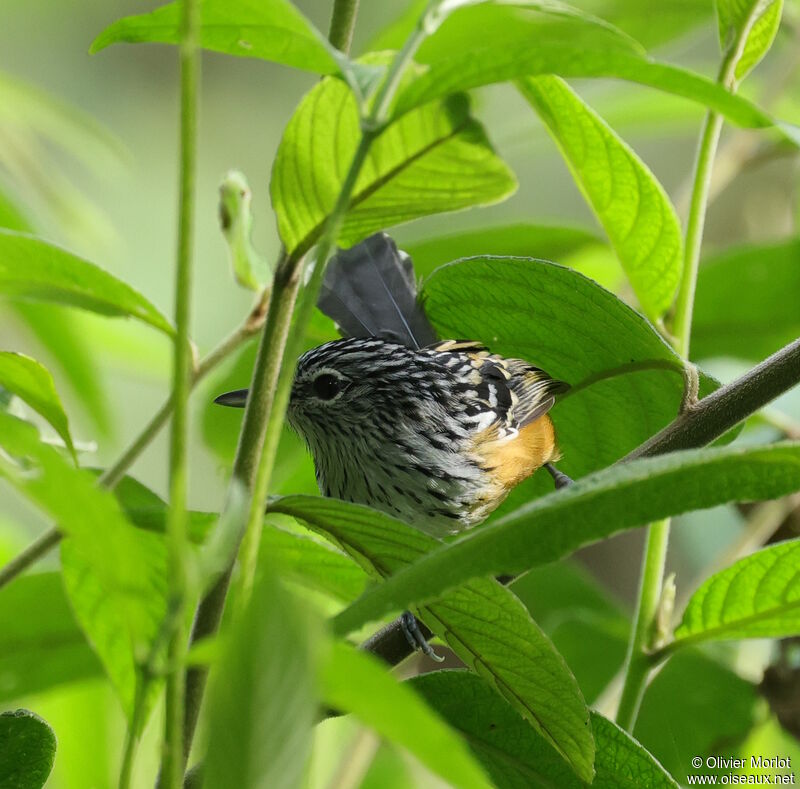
326 386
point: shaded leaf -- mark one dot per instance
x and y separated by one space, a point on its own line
355 682
115 575
482 622
488 43
433 160
521 239
626 381
681 714
41 645
27 750
754 21
623 496
32 383
757 597
516 757
33 269
626 197
725 323
262 703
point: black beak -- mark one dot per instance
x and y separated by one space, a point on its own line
235 399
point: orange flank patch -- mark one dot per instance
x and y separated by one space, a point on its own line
511 461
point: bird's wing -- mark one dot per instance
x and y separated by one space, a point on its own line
369 291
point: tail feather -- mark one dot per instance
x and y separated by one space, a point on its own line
369 291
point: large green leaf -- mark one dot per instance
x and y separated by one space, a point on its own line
624 496
516 757
626 381
262 703
32 383
33 269
497 42
353 681
433 160
626 197
482 622
27 750
268 29
754 22
746 303
41 645
757 597
115 574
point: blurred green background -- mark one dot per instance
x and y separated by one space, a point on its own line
116 205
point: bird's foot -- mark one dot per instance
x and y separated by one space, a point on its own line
560 479
410 627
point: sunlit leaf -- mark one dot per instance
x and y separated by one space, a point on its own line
33 269
621 497
746 303
27 750
757 597
32 383
754 21
268 29
354 682
435 159
41 645
262 705
488 43
626 197
482 622
516 757
115 575
626 381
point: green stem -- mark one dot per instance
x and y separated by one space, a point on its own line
637 664
343 23
272 379
172 772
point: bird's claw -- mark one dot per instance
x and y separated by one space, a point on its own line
410 627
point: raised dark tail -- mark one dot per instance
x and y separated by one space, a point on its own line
369 291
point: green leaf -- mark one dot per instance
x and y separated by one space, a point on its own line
519 240
621 497
27 750
727 324
433 160
268 29
314 564
626 381
355 682
262 704
115 575
683 713
33 384
41 645
757 597
489 43
516 757
33 269
482 622
754 22
627 198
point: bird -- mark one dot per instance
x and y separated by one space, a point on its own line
434 432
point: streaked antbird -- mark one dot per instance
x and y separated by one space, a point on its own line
436 433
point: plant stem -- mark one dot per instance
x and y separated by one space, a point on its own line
172 774
637 666
343 23
272 378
